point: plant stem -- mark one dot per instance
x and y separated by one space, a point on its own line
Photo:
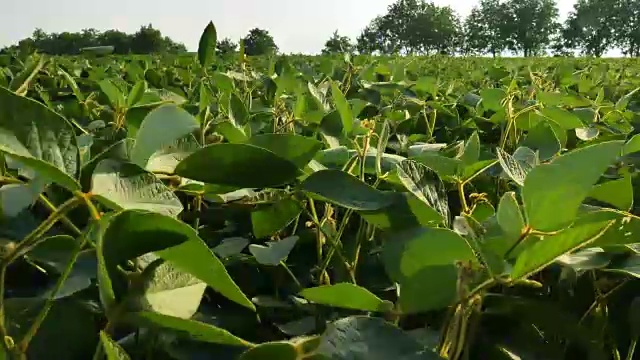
24 343
632 349
293 276
65 220
25 245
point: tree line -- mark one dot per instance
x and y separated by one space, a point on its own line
524 27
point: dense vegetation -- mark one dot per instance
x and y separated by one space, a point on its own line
333 207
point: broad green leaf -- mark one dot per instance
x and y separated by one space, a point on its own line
274 252
238 112
618 193
112 350
132 233
512 168
280 350
207 45
196 330
509 216
136 93
405 211
39 138
565 119
165 289
342 105
370 338
14 198
230 246
407 252
348 296
445 167
547 248
160 128
72 84
428 289
426 185
231 132
629 266
269 219
585 259
553 192
295 148
343 189
471 153
166 159
632 146
123 185
544 140
115 96
240 165
492 98
623 102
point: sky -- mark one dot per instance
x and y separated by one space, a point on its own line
298 26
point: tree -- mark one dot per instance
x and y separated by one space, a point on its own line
486 28
531 24
259 42
627 26
412 26
145 41
226 46
337 44
590 26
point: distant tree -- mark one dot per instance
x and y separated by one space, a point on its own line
119 40
627 26
486 28
412 26
590 26
531 25
226 46
337 44
146 40
259 42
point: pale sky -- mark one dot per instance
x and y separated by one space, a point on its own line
296 25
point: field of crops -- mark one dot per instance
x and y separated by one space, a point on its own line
196 207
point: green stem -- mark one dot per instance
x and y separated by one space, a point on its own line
632 349
293 276
24 343
25 245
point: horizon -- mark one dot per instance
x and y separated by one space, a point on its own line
232 19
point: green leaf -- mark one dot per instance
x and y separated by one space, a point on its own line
122 185
280 350
240 165
553 192
165 289
381 147
160 128
565 119
370 338
136 93
510 217
115 96
132 233
274 252
426 185
112 350
492 98
348 296
342 105
428 289
230 246
196 330
231 132
238 112
623 102
340 188
405 211
16 197
207 45
298 149
269 219
471 153
543 139
407 252
618 193
547 248
39 138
